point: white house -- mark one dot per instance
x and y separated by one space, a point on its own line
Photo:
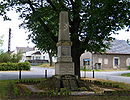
33 55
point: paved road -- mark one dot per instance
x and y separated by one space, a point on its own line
39 72
35 72
110 75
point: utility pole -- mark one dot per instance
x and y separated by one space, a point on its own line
9 41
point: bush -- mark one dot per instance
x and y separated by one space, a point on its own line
14 66
8 57
24 66
5 57
128 67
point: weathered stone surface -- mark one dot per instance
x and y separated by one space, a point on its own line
69 82
64 27
64 51
64 63
63 68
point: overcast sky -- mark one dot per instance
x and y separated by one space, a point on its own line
19 36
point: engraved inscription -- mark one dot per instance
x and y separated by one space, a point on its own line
65 51
69 82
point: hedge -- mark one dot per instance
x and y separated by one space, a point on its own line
14 66
128 67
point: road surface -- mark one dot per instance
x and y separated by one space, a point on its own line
39 72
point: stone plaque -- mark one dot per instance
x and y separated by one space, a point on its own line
69 82
65 51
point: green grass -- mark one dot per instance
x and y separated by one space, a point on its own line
126 74
80 98
122 85
4 88
4 84
4 93
91 70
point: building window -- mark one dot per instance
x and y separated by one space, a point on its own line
43 57
116 62
128 62
33 58
100 60
106 61
37 57
86 61
97 66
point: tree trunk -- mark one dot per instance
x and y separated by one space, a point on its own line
76 60
50 57
76 53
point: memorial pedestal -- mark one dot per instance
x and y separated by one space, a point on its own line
63 68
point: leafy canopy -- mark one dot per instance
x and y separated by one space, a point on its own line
91 21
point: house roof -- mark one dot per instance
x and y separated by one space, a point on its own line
24 49
37 53
119 47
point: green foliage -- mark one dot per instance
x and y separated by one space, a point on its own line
5 57
91 22
1 43
65 92
9 89
16 57
3 89
128 67
126 74
24 66
8 57
14 66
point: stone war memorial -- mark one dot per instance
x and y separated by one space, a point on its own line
64 68
64 63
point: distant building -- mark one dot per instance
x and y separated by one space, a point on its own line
117 57
33 55
24 49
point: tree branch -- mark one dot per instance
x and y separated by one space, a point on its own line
50 2
72 2
31 5
41 22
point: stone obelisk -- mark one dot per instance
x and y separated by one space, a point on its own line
64 63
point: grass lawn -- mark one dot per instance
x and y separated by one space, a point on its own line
4 88
4 93
79 98
126 74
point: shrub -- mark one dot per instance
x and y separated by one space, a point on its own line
24 66
128 67
5 57
8 57
14 66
